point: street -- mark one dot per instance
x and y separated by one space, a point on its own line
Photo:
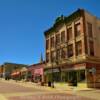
13 91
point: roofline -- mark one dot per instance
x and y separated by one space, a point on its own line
78 12
37 64
14 63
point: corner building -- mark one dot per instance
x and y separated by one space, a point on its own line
72 49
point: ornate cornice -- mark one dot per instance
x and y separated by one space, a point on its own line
63 20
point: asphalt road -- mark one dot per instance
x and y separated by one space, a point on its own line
13 91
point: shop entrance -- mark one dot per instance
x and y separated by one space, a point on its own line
37 78
76 76
73 78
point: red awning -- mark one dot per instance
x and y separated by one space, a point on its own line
15 73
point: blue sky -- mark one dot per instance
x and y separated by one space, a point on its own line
23 22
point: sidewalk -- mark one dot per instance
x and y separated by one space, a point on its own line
57 86
80 91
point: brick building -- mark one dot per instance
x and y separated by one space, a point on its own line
73 49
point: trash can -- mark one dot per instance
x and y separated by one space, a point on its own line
49 84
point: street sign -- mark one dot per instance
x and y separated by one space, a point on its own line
93 70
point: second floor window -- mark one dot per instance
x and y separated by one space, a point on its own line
58 39
91 45
63 53
52 42
47 57
90 32
58 54
47 44
79 48
70 50
52 56
77 29
63 36
69 33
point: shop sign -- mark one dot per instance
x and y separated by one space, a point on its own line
52 70
56 70
38 71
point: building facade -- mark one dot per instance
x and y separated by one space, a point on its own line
9 68
72 48
36 72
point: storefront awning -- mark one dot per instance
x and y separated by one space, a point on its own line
15 73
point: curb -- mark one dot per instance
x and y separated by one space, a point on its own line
30 84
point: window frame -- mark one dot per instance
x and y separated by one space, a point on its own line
70 50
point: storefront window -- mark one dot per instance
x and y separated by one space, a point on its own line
29 75
57 77
49 77
82 75
64 76
38 78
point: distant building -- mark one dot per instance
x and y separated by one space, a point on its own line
8 68
73 49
